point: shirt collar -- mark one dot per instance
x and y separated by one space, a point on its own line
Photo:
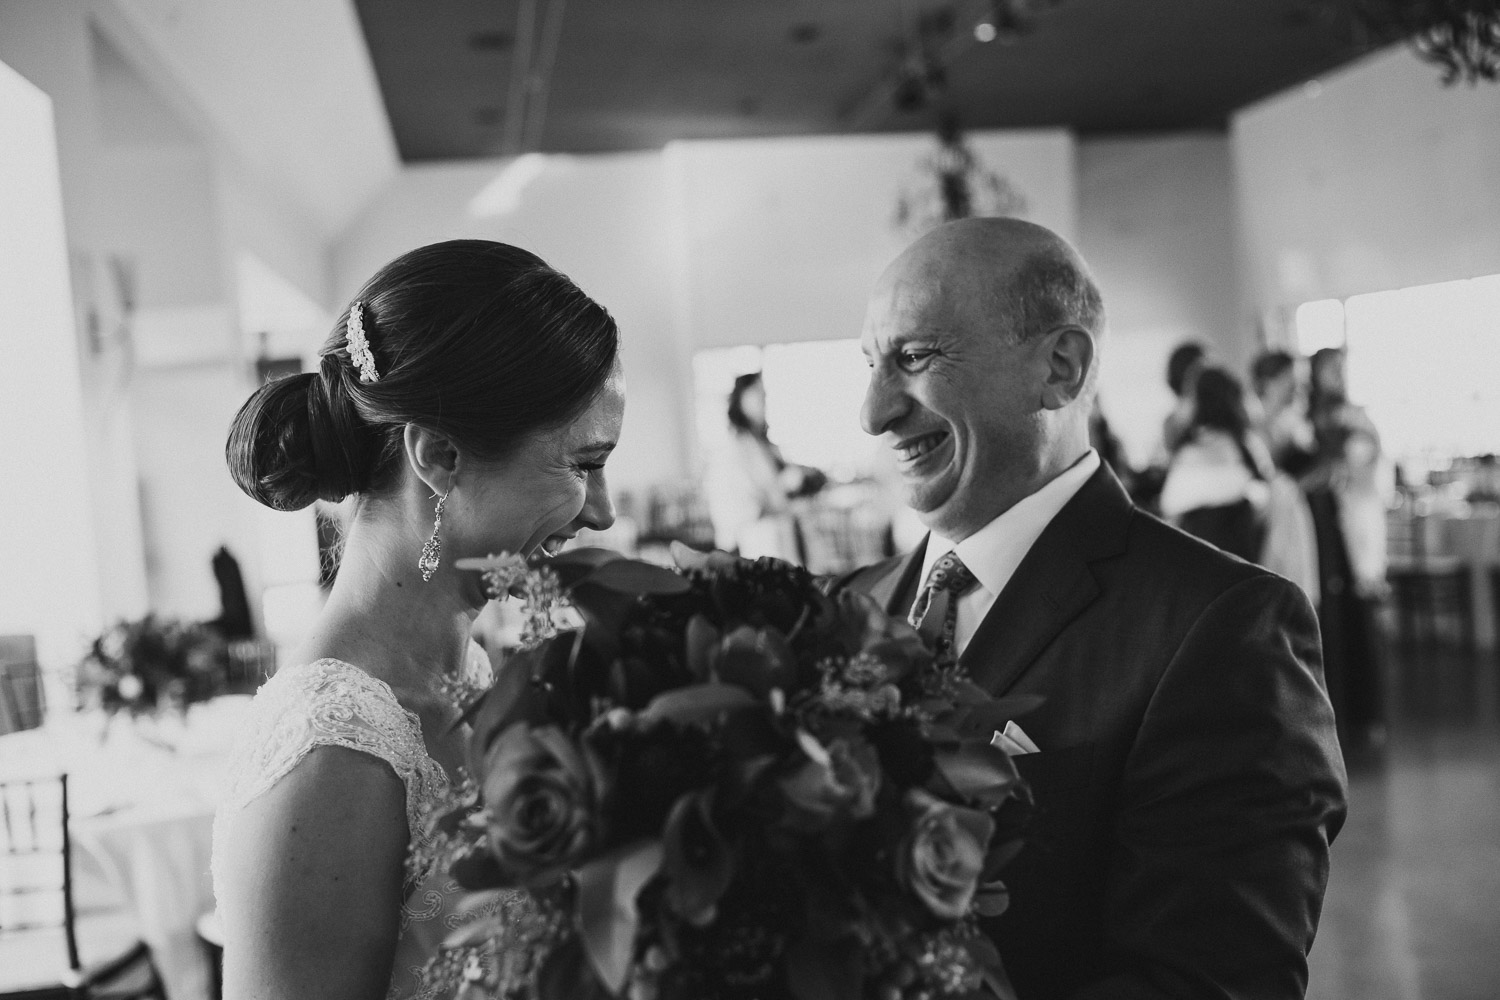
994 552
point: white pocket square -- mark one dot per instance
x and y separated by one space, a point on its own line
1013 740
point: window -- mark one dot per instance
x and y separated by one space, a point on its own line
1424 361
814 391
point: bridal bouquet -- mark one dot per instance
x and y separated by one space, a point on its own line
724 783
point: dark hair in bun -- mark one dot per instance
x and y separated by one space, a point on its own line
477 340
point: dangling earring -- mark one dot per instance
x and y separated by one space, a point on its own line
428 563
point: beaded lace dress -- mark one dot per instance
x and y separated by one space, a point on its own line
332 703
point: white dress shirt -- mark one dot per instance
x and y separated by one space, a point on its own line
993 552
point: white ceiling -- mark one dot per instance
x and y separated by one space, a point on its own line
286 84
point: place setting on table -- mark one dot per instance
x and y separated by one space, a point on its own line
145 754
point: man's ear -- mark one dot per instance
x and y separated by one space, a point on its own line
432 456
1070 356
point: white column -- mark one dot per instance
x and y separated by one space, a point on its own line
49 567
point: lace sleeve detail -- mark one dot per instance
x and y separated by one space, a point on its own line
330 703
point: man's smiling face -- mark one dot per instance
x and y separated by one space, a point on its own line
952 392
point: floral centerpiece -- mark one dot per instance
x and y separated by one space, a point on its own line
726 784
152 663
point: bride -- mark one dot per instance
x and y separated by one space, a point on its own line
467 401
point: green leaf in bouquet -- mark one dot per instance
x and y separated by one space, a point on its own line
1003 851
513 698
698 704
567 974
758 659
690 559
987 957
606 908
603 610
589 557
699 862
992 899
978 772
631 577
1014 816
817 970
701 640
748 736
576 564
479 869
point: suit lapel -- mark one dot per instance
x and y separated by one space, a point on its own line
896 591
1052 585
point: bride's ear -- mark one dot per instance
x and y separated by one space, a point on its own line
432 456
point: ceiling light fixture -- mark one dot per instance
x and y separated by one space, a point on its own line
928 42
952 183
1014 19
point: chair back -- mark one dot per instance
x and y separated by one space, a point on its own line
1416 543
36 860
839 539
21 696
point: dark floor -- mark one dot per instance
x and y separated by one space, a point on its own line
1413 904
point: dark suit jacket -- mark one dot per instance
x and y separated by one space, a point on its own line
1189 780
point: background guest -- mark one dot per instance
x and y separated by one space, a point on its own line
751 486
1183 366
1345 495
1281 388
1216 485
1354 469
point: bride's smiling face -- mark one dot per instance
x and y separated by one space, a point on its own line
547 490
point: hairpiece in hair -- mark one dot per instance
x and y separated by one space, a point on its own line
359 345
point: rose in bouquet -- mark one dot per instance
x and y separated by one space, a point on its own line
727 783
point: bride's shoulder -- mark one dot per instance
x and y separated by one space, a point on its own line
320 683
326 703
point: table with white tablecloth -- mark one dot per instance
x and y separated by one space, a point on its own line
1458 533
1474 538
142 794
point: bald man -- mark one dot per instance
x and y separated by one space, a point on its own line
1185 768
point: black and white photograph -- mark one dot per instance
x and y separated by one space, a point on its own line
749 500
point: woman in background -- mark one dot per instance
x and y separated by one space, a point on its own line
1346 489
1216 485
1183 367
751 486
1291 546
1277 378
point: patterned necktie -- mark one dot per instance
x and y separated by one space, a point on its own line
948 580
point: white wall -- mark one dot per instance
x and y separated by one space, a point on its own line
49 566
783 238
164 170
189 503
242 68
704 244
51 45
1376 178
1157 226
